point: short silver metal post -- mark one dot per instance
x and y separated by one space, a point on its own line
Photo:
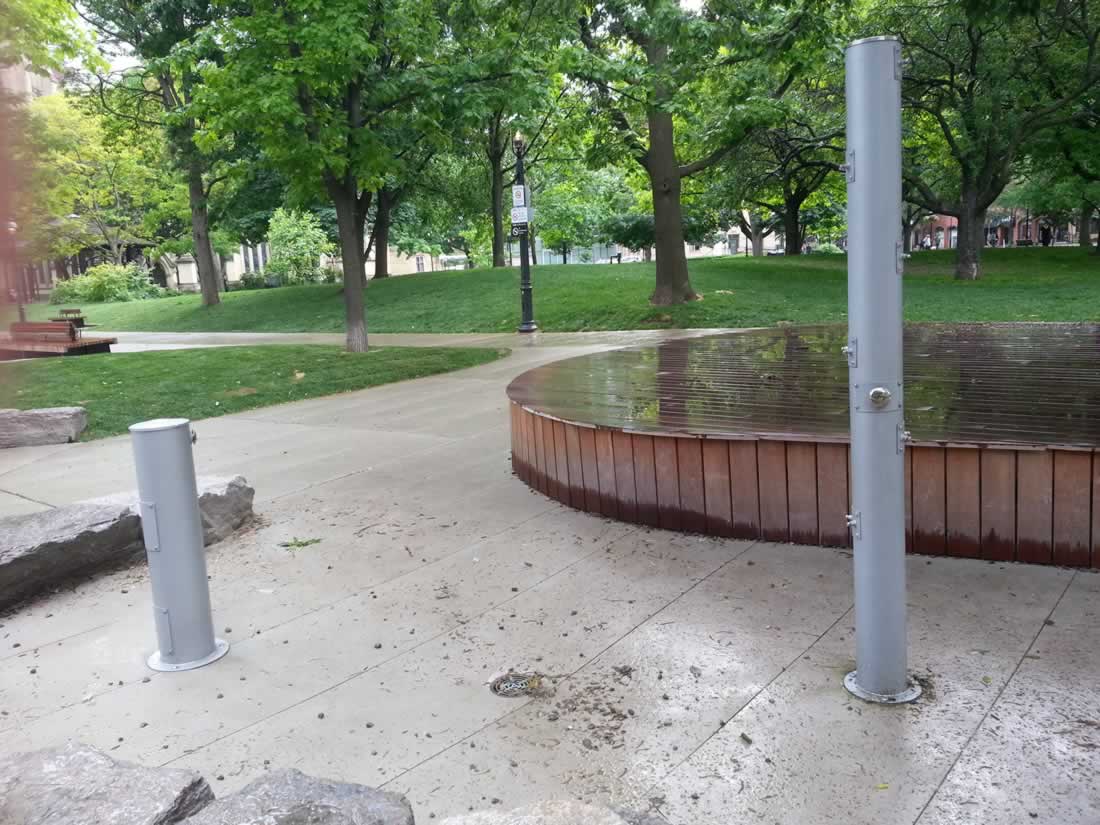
874 353
172 526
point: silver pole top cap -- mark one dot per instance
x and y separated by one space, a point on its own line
158 424
887 38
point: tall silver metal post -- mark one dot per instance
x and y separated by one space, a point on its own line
172 527
874 352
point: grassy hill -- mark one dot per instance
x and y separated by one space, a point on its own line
1060 284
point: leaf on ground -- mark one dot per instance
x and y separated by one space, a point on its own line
986 680
882 786
297 543
299 375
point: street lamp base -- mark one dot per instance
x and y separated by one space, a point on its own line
910 694
529 326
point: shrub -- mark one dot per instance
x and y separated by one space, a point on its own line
253 280
332 275
107 282
297 244
827 249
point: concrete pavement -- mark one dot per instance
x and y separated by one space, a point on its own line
696 677
139 341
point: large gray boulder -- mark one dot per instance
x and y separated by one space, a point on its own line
33 428
78 785
292 798
40 551
556 812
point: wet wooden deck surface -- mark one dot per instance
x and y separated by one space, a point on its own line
988 384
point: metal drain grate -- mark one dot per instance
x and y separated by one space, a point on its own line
514 685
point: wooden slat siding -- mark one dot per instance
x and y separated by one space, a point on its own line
802 492
693 507
1095 510
512 427
668 482
964 502
542 482
605 469
645 479
590 470
1034 506
745 489
1072 507
576 473
563 462
716 487
908 499
929 500
522 420
771 463
998 504
625 490
832 494
549 459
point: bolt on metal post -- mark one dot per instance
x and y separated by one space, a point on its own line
172 526
874 354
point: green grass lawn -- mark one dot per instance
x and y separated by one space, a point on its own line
119 390
1018 285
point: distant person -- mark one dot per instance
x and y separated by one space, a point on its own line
926 242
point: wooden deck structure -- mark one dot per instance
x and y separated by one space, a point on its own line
745 435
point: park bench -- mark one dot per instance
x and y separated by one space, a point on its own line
76 316
30 339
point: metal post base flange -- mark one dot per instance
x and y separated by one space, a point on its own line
910 694
221 647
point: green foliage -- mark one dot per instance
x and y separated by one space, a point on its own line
95 181
107 283
828 249
635 230
297 244
253 280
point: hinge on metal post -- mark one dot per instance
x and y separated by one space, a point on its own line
854 520
149 522
899 249
904 437
850 166
851 352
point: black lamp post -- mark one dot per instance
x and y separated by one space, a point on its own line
520 229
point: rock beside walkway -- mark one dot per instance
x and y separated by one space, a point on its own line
40 551
34 428
78 784
290 798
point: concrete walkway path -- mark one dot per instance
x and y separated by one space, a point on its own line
138 341
694 677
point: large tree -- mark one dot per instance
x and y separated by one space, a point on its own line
95 182
980 81
668 79
152 31
320 86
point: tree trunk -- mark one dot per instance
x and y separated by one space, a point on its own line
200 234
1084 225
906 237
382 217
564 254
647 254
792 231
496 166
343 195
968 255
673 285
